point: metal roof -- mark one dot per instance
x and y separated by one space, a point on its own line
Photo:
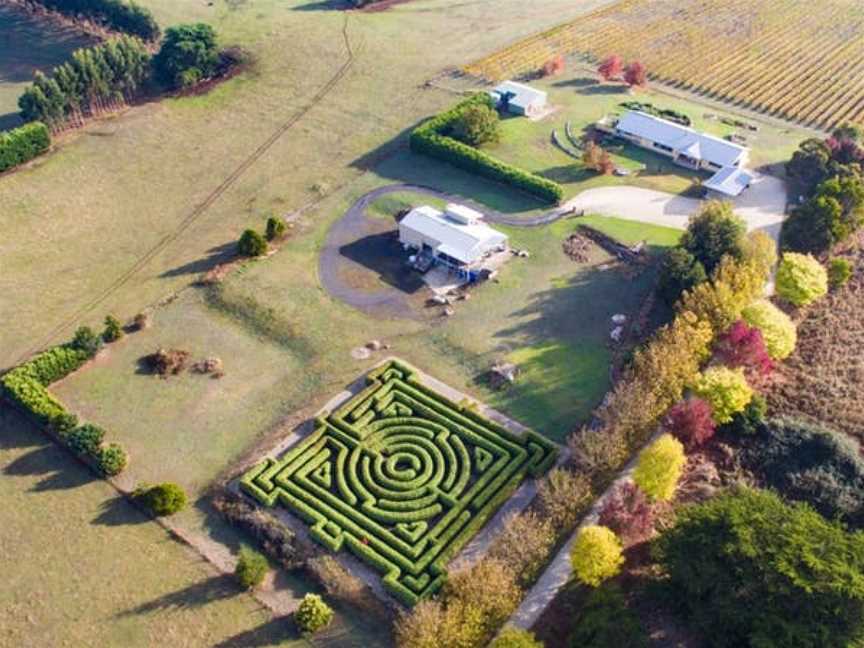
730 181
462 241
681 138
523 95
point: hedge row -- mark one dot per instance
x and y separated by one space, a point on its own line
26 386
22 144
365 509
118 15
432 138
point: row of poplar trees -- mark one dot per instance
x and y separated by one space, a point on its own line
94 81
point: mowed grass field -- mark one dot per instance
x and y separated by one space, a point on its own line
27 45
791 59
577 98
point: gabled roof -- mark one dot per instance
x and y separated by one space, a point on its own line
523 95
681 138
462 241
730 181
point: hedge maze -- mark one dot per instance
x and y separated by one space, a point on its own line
402 477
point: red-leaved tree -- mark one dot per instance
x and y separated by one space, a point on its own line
629 513
611 68
691 422
554 66
635 74
743 346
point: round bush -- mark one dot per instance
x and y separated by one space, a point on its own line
596 555
112 460
659 468
275 228
251 244
801 279
516 638
312 614
251 568
162 499
726 390
778 329
85 439
113 330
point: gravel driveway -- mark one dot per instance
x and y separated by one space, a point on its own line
763 205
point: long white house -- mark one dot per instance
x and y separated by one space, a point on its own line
457 236
688 148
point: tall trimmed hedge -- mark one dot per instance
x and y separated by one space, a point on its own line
22 144
433 138
128 17
26 386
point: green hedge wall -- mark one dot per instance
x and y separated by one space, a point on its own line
127 17
26 386
401 477
22 144
431 138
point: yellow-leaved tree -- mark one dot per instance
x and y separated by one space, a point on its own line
596 555
726 390
778 329
659 468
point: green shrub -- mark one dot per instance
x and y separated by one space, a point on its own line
716 231
22 144
430 138
64 423
476 125
113 330
679 271
251 244
605 621
162 499
251 568
516 638
839 272
749 570
188 54
85 439
111 460
810 463
801 279
87 341
312 614
275 228
778 329
726 390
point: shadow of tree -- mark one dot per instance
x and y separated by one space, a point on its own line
196 595
603 89
576 82
219 254
119 512
273 633
10 120
48 460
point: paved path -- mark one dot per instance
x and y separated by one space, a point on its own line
762 206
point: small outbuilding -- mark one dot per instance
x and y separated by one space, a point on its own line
456 237
728 182
519 99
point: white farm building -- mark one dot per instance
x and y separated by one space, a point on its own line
519 99
456 237
688 148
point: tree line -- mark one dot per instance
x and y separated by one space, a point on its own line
119 15
93 81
